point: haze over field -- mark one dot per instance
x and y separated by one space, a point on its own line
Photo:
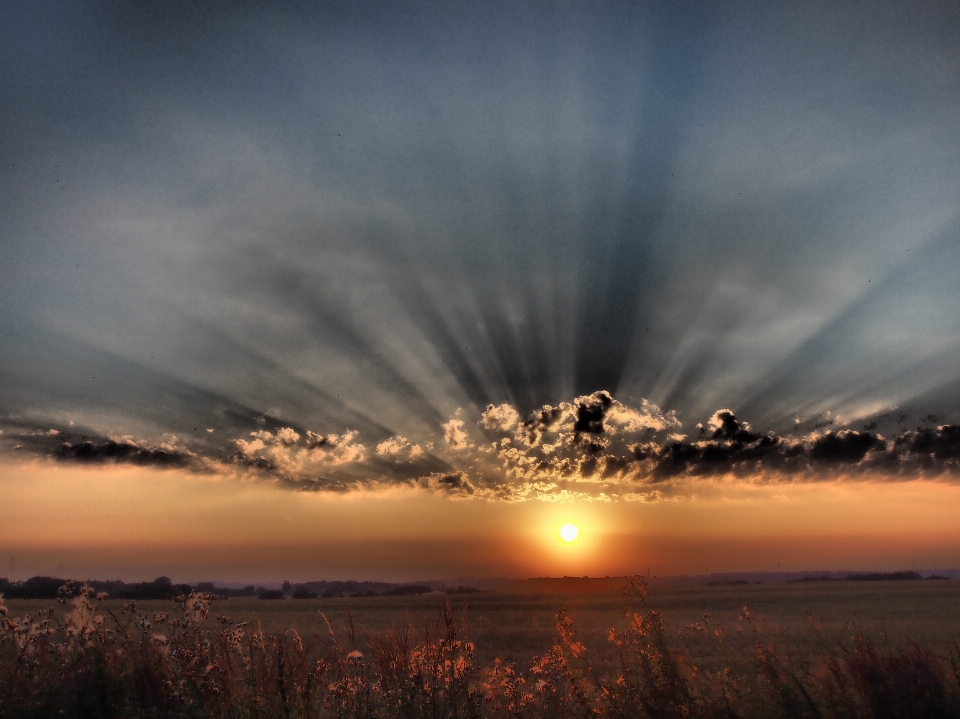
395 290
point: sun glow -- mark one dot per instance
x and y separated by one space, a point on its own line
569 532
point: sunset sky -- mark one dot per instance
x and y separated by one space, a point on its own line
394 290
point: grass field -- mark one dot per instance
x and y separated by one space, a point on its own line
871 649
798 617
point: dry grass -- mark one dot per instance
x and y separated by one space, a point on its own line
780 651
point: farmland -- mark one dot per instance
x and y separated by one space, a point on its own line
792 630
800 617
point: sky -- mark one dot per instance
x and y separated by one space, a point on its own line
391 290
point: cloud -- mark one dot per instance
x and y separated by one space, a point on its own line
455 436
935 446
590 416
400 449
615 450
591 411
450 483
499 417
281 451
733 448
84 447
531 430
725 426
287 436
125 451
646 416
593 446
845 446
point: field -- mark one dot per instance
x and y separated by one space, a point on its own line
791 631
801 617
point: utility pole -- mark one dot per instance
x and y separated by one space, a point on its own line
13 567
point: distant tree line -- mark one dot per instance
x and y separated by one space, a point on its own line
870 577
43 587
50 588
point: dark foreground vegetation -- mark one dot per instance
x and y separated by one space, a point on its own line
79 661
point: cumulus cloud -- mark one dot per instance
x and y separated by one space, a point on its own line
450 483
598 445
282 451
646 416
590 416
287 436
399 448
500 418
455 436
592 447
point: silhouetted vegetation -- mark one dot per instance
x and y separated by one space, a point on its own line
817 578
884 577
33 588
159 588
869 577
128 663
407 590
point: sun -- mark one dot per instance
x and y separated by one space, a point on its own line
569 532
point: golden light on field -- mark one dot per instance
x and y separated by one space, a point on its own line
569 532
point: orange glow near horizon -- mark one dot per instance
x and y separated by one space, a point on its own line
132 523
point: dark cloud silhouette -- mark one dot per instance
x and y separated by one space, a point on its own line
126 451
69 444
591 412
845 446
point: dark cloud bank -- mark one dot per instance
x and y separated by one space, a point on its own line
594 447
